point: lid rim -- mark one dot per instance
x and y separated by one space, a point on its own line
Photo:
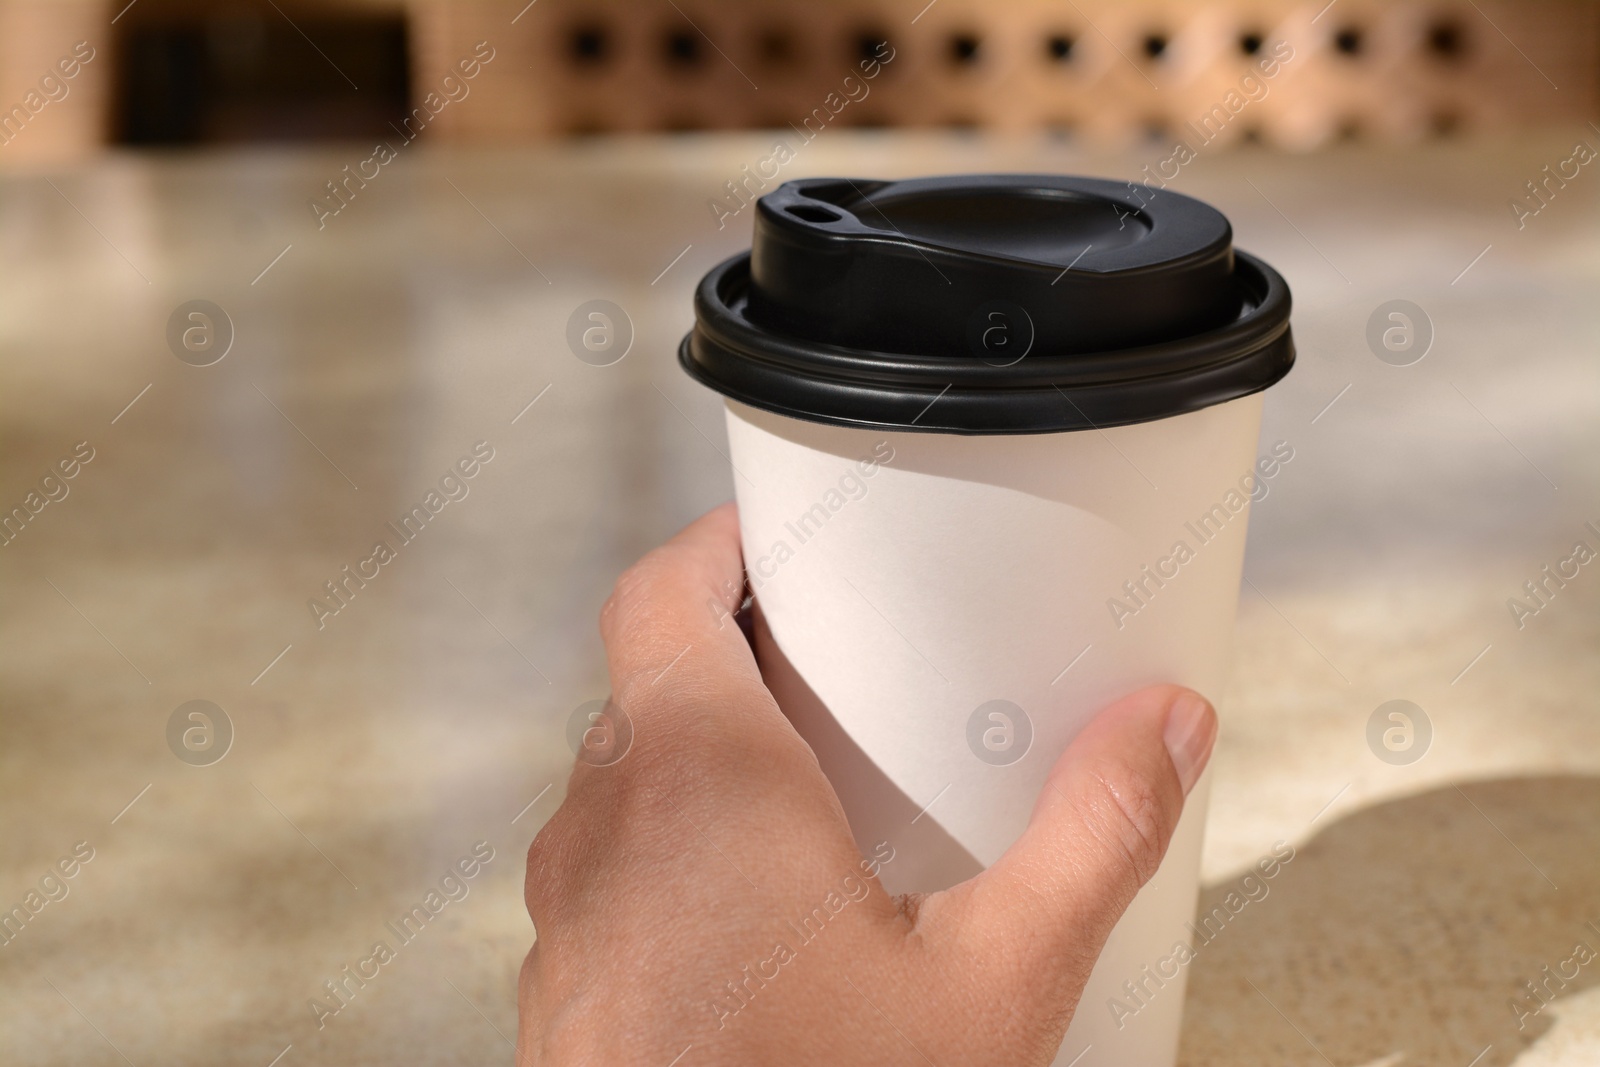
747 363
1257 324
1070 419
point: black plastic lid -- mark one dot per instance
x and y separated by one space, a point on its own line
988 304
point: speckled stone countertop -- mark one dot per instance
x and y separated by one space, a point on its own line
371 755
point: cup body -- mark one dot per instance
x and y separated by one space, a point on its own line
940 614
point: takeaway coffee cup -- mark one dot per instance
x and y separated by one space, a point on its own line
994 442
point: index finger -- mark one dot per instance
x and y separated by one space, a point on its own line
680 666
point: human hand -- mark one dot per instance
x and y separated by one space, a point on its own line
677 870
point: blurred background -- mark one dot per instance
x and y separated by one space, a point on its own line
179 73
269 271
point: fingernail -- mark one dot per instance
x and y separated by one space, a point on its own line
1191 729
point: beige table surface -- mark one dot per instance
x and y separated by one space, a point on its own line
430 713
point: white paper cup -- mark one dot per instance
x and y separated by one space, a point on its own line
907 580
994 442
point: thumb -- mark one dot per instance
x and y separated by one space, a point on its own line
1098 832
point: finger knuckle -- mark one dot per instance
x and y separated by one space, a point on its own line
633 590
1129 816
549 861
643 589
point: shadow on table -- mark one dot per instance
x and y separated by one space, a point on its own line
1405 933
